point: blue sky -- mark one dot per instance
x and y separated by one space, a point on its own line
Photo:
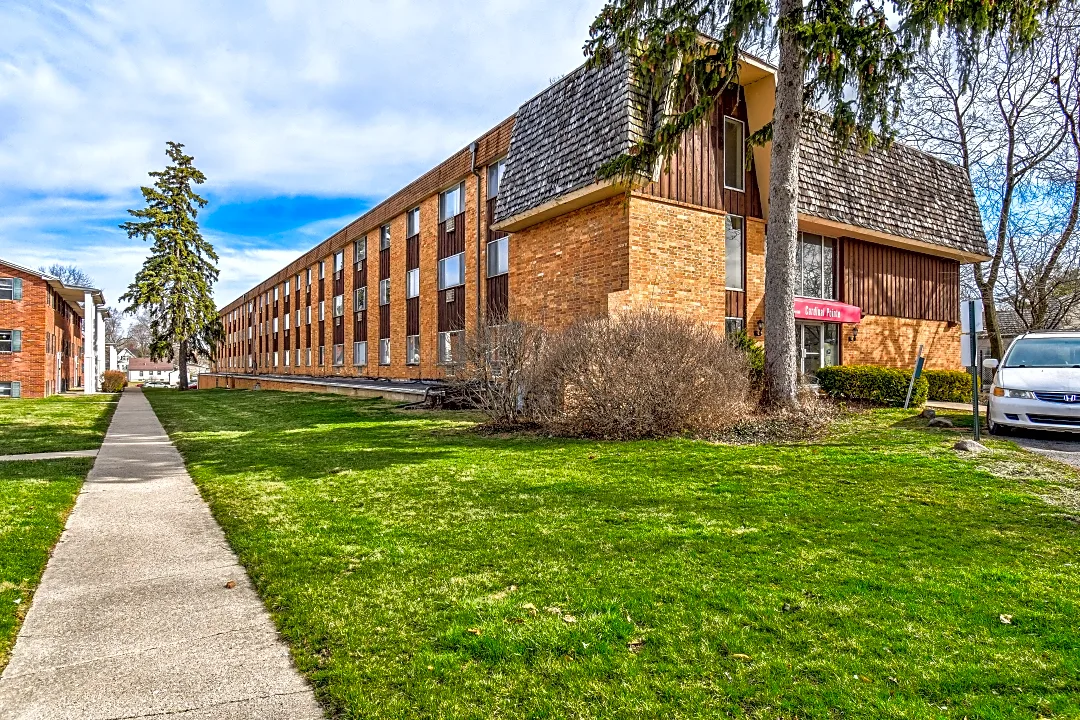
302 114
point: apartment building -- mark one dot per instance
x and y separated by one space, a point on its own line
47 344
520 225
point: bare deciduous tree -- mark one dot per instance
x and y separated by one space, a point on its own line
1003 124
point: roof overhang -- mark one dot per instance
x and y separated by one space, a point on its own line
76 296
822 226
561 205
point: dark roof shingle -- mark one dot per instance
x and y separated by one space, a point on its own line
897 190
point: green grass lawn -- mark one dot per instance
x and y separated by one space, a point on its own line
35 499
422 570
60 422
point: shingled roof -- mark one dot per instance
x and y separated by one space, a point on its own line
563 135
897 190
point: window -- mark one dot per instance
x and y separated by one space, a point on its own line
360 250
322 310
275 326
733 267
452 202
384 237
450 346
412 350
286 288
384 292
359 353
494 177
11 389
10 341
322 269
309 277
275 358
815 264
322 355
498 262
452 271
360 299
308 314
412 283
275 294
339 355
309 357
10 288
412 222
734 154
297 282
733 325
286 323
384 351
339 305
287 356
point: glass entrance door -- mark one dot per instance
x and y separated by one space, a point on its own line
818 347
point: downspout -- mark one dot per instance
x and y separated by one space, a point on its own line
473 148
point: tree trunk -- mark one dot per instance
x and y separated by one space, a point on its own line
781 373
183 364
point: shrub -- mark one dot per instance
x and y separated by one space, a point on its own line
113 381
882 385
948 385
755 355
645 373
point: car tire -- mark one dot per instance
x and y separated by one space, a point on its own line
992 427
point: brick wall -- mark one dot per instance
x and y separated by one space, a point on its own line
29 316
566 268
755 274
894 342
676 260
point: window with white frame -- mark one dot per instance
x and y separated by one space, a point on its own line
309 277
412 350
339 305
275 358
10 288
339 261
384 237
498 262
287 355
450 346
360 250
285 287
338 355
734 154
384 351
494 177
452 202
322 269
816 267
10 389
360 299
308 314
275 326
412 222
322 355
286 323
275 293
452 271
384 292
412 283
309 357
298 358
10 341
322 310
359 353
734 244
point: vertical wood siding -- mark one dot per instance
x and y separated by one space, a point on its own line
884 280
498 288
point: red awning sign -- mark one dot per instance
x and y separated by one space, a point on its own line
826 311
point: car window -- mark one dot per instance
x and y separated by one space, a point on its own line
1044 353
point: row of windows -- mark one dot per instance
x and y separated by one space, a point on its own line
449 344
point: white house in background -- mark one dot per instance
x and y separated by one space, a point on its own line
145 370
118 358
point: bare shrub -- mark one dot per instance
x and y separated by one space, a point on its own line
495 369
645 373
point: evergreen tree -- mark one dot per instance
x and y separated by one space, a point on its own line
852 57
176 281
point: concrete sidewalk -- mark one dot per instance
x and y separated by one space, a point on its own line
133 618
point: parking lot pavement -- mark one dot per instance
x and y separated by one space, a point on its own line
1062 447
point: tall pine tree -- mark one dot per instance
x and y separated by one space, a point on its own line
176 281
852 56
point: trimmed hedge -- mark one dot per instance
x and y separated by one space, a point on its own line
948 385
113 381
882 385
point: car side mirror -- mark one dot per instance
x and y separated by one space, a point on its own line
990 363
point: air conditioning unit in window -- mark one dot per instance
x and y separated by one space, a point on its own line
451 294
449 225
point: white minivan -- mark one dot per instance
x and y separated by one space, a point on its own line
1037 384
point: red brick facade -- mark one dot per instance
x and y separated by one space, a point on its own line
51 333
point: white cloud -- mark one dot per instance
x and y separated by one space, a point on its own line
332 98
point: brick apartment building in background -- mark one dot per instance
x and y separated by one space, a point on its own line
519 225
44 335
